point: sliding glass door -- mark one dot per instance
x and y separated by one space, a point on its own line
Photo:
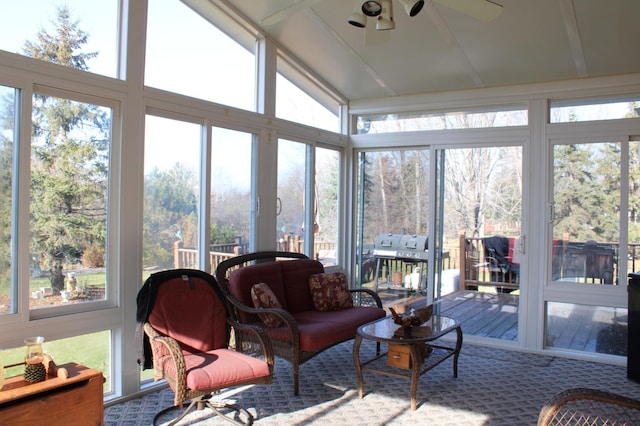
478 212
594 243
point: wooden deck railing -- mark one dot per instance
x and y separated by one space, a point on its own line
588 262
476 266
187 257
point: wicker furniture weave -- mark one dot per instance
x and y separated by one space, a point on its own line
188 329
287 339
583 406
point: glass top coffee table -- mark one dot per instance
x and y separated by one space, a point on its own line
415 352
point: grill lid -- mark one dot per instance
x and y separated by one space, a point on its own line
401 246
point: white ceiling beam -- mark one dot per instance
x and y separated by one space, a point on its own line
573 32
446 33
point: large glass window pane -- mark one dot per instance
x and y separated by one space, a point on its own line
293 104
326 206
483 215
8 102
291 195
594 110
211 65
412 122
33 27
171 188
68 205
634 207
231 198
394 218
91 350
586 328
586 199
481 280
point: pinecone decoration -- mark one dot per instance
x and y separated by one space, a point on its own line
34 373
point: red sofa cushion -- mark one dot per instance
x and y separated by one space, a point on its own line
295 276
241 280
319 329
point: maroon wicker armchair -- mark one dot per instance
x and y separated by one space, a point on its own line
589 407
187 330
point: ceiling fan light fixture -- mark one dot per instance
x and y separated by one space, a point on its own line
357 18
372 8
412 7
385 20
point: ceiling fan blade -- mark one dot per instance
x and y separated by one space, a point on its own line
483 10
287 11
373 37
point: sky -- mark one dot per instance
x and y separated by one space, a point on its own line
27 17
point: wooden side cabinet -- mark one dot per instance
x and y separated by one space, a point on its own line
77 400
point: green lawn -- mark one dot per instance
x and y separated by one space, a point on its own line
91 350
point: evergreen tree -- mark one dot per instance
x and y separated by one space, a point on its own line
170 212
70 146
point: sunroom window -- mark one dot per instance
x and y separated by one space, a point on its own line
211 65
594 109
94 22
311 106
442 120
9 100
70 150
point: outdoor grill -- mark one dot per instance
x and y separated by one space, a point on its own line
403 248
410 248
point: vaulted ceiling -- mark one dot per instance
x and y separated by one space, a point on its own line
441 49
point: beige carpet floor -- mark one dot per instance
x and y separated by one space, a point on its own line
494 387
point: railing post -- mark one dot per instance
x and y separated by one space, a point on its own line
176 253
463 255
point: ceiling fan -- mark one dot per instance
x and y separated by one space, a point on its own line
485 10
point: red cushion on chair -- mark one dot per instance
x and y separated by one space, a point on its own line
222 367
217 369
192 313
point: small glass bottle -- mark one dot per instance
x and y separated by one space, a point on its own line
34 368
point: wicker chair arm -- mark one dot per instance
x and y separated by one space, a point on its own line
583 406
253 314
358 292
258 333
173 349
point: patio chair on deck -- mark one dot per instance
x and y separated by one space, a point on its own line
496 255
590 262
186 323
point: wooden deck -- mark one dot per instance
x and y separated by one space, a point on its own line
493 315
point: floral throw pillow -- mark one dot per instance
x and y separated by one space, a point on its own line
330 292
263 297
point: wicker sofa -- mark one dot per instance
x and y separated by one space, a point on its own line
584 406
297 325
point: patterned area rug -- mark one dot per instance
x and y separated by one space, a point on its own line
494 387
